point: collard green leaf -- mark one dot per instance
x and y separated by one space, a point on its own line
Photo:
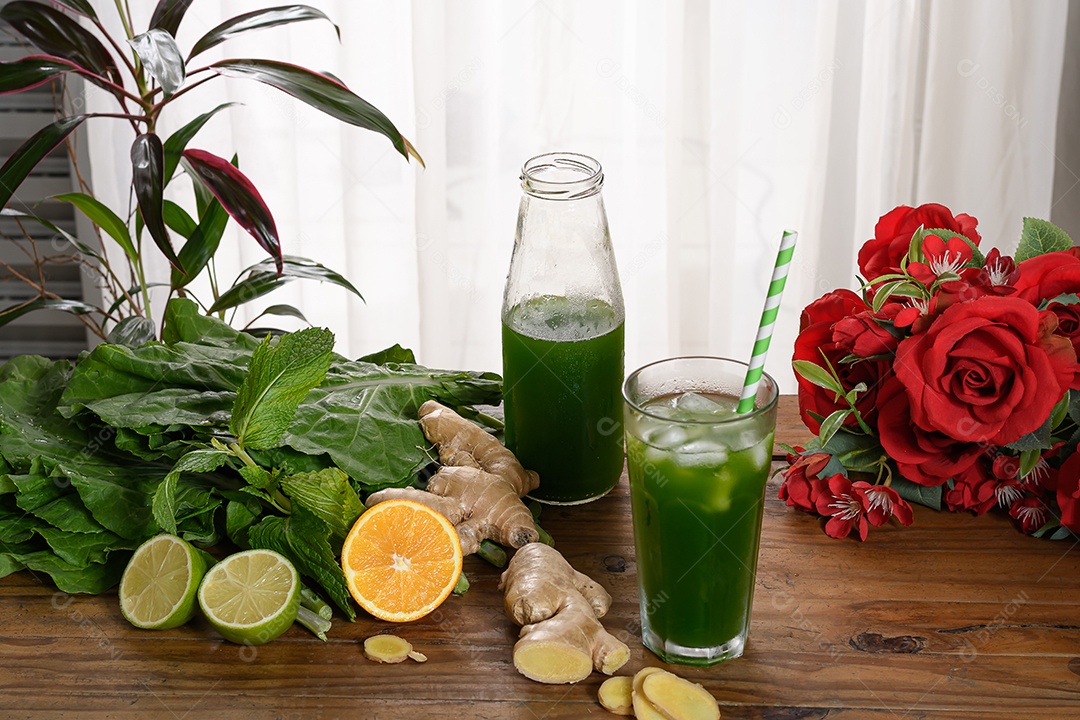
258 20
147 161
58 34
364 417
31 152
94 578
263 279
83 549
238 195
159 54
394 354
1040 237
322 93
328 495
184 322
304 539
278 378
196 461
239 517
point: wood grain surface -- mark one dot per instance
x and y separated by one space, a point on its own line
954 618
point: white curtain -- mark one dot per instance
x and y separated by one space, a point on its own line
718 125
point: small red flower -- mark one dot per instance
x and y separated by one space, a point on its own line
1031 512
942 259
886 503
845 504
998 274
973 489
802 486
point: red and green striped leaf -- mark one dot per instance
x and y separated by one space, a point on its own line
30 71
147 162
168 14
31 152
259 20
238 195
322 93
57 33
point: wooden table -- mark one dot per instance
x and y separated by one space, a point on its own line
956 617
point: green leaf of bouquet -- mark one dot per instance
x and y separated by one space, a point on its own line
831 424
915 253
1028 460
1060 411
913 492
329 496
279 377
1036 440
1040 237
1074 406
811 372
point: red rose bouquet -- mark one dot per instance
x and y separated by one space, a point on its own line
950 381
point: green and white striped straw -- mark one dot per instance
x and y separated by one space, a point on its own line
768 321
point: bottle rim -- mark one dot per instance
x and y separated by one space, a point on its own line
562 176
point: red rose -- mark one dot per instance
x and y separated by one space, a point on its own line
862 335
801 485
925 457
816 340
1068 492
985 371
892 235
1068 317
1046 276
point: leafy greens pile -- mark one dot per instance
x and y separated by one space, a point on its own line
211 434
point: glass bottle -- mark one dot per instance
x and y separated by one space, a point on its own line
562 333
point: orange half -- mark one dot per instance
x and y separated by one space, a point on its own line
401 560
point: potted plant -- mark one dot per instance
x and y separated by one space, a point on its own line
73 40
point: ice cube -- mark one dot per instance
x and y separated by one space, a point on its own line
701 452
667 437
692 403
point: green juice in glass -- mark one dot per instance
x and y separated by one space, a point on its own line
562 373
697 492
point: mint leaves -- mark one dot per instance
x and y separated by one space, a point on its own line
279 377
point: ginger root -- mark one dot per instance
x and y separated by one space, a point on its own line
478 489
561 640
617 695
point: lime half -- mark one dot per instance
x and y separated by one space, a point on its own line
251 597
157 590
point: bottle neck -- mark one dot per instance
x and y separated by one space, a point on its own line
562 176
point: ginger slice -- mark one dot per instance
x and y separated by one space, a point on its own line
561 640
387 648
616 695
679 699
643 708
479 488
